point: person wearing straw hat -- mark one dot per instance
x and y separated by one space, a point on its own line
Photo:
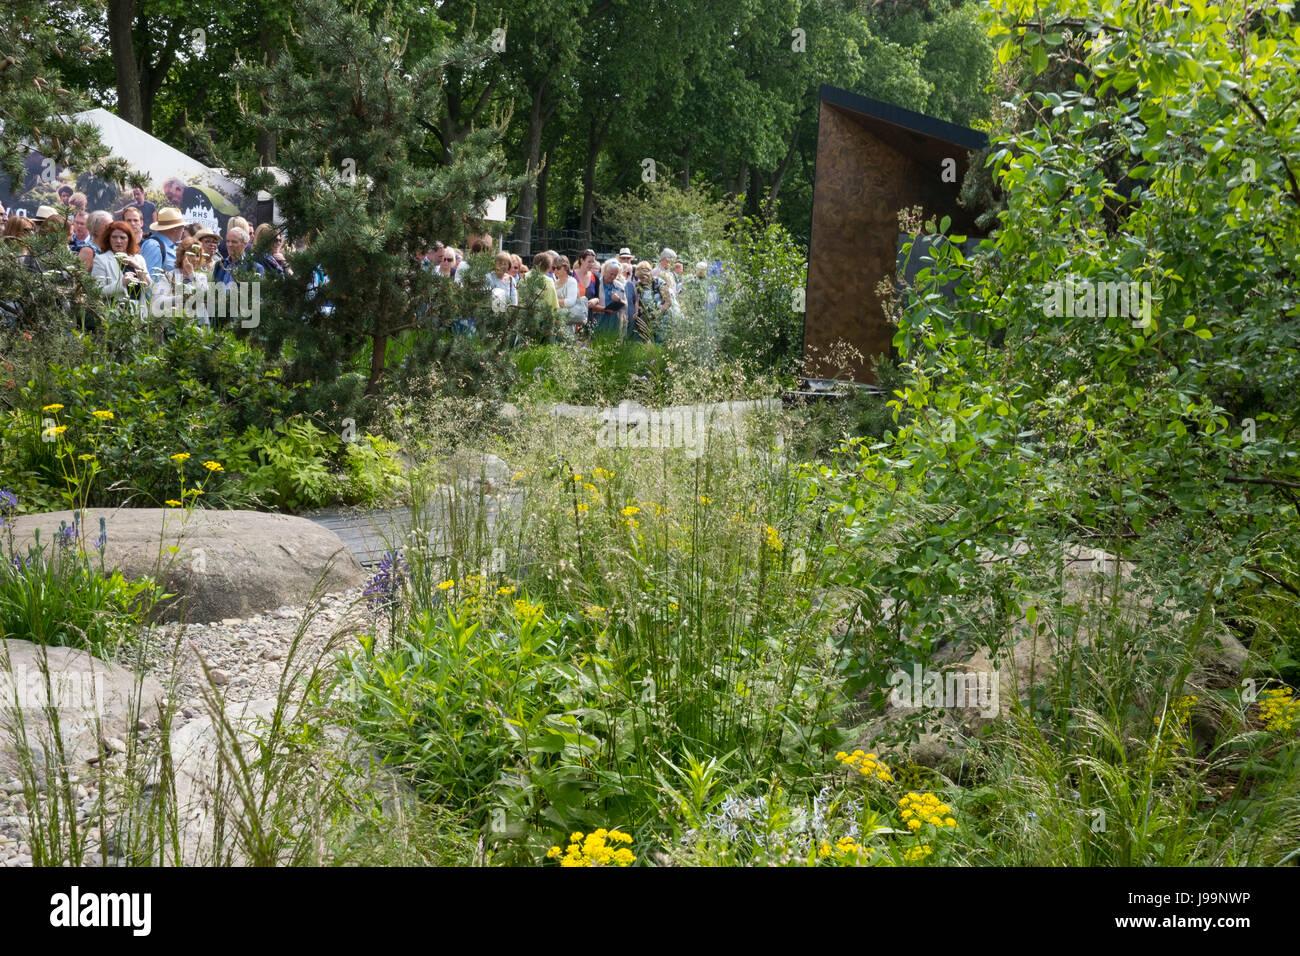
159 249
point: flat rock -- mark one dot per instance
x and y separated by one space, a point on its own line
95 702
221 565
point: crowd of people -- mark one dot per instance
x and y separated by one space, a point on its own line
619 297
153 259
165 267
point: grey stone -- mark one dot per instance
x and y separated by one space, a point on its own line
222 565
103 700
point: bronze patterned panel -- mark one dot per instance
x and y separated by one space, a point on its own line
866 172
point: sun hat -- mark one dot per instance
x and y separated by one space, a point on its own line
206 233
169 217
625 251
43 213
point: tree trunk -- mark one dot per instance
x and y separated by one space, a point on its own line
378 360
597 130
126 73
532 155
543 227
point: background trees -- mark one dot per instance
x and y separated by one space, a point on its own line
721 94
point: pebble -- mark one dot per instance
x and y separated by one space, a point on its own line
218 677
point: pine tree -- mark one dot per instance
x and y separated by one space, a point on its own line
368 188
37 38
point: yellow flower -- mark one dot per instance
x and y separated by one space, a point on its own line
518 475
172 503
181 456
917 853
914 825
554 852
705 500
52 408
505 590
629 511
55 430
103 416
601 473
526 610
446 584
213 466
85 458
1279 709
577 478
772 540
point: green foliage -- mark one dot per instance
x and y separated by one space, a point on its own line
764 273
374 472
683 621
660 213
52 593
188 395
286 466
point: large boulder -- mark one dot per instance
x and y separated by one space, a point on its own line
96 707
218 564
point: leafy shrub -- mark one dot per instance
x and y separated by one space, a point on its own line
374 472
286 466
187 395
757 317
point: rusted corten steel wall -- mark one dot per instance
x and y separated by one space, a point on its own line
873 159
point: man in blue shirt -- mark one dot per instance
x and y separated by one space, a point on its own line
159 250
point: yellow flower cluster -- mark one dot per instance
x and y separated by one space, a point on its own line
593 611
845 848
917 853
629 511
1280 709
1180 708
54 430
213 466
602 474
52 408
527 611
181 457
102 415
599 848
705 500
869 765
771 540
917 808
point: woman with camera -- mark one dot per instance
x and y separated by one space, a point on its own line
121 274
